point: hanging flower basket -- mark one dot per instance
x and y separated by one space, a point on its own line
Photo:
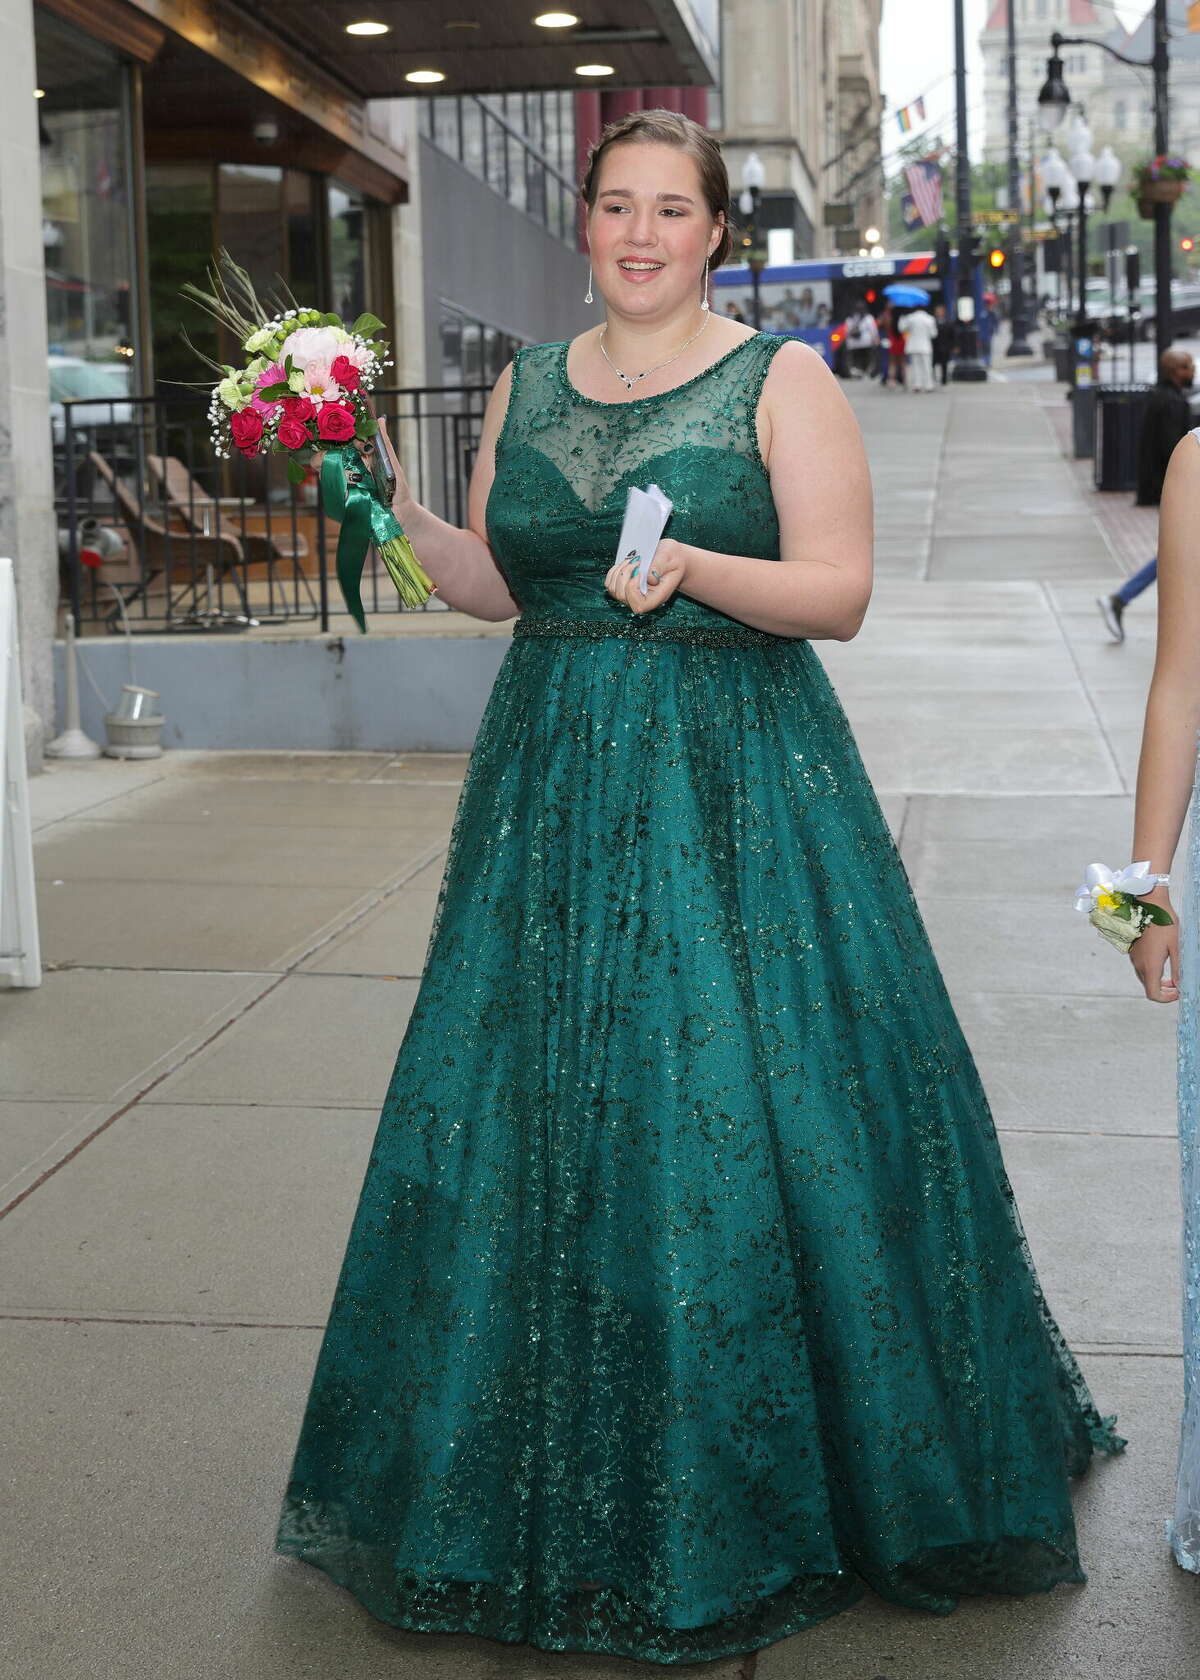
1163 180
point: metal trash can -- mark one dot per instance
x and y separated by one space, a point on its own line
1119 410
1083 420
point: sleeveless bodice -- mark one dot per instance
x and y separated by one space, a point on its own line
564 463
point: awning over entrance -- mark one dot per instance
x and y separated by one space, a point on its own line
494 46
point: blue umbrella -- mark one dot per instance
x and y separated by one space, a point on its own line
906 294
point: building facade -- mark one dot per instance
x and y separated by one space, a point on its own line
143 136
800 87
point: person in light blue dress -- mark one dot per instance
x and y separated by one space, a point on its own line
1167 959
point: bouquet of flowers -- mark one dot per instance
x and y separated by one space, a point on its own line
1114 902
303 392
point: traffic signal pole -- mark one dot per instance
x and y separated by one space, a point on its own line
967 366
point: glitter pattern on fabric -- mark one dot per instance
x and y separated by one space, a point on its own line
686 1293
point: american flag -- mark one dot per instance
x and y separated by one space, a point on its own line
925 184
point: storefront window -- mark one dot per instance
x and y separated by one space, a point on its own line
348 252
180 209
87 227
249 208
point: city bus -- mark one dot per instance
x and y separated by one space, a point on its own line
810 300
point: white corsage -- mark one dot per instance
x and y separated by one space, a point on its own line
1113 904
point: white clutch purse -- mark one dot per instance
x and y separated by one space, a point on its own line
646 513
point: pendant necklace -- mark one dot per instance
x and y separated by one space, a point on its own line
629 383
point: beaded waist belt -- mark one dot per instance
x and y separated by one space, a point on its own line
646 630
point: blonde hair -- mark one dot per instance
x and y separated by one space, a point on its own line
671 128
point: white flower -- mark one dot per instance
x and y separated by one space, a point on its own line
1100 884
312 344
230 393
260 339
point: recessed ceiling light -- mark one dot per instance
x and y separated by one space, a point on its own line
593 69
424 75
367 27
39 93
555 20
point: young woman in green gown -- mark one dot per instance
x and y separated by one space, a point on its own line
686 1296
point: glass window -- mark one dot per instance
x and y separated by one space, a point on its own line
514 111
250 220
535 121
472 353
516 172
445 126
452 350
180 212
497 151
347 251
472 136
535 187
86 227
426 118
303 257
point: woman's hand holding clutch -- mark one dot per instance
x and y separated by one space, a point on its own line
667 571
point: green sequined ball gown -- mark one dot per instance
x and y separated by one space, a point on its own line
686 1294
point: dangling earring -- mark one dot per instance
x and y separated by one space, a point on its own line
704 288
587 296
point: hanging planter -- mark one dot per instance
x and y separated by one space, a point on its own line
1163 180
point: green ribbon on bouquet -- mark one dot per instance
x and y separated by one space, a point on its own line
349 496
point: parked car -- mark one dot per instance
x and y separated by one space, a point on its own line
96 389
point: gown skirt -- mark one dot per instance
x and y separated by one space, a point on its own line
686 1296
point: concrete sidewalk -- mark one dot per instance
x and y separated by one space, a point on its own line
234 943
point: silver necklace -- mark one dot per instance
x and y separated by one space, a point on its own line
629 383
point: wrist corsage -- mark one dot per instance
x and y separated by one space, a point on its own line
1114 903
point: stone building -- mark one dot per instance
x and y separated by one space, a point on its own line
800 86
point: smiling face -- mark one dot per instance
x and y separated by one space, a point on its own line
650 209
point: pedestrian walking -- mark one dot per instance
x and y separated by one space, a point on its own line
1167 419
685 1297
920 334
1112 607
862 340
943 344
897 372
885 327
986 328
1167 775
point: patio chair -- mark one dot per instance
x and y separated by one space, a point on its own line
162 550
191 503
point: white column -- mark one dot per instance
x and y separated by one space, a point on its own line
27 529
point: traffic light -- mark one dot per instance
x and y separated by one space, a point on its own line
1187 243
996 259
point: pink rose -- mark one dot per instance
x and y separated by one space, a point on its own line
247 428
346 374
299 408
335 423
292 434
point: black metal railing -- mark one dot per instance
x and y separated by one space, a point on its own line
157 533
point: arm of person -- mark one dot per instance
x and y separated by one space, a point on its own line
460 561
1167 765
821 484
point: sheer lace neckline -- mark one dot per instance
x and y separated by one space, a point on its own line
655 396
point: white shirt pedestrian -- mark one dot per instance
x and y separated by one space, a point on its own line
920 333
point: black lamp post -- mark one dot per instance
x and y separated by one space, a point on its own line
753 176
1019 344
1054 100
967 366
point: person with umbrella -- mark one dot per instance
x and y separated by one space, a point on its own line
920 333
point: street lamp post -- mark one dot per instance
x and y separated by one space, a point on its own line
1019 344
1083 168
753 176
1053 101
967 365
